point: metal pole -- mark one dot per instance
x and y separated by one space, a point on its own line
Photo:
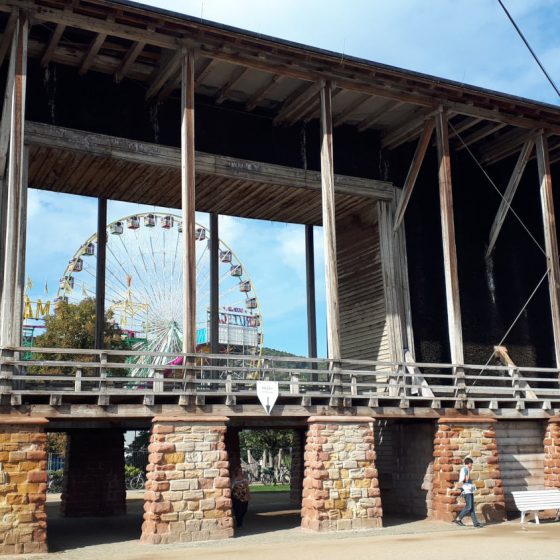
214 285
100 272
310 285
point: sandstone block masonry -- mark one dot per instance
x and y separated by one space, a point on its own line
188 492
552 454
456 439
23 486
340 487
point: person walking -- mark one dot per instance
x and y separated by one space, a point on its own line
241 495
468 488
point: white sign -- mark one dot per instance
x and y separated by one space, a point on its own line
267 391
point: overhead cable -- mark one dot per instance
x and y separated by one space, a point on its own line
530 49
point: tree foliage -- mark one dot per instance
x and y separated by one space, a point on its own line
264 439
73 326
56 443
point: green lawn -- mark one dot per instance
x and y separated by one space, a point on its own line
270 488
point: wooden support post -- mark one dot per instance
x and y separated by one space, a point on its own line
21 252
550 239
393 299
15 180
188 210
6 122
509 193
100 273
448 237
329 232
214 284
3 211
413 171
311 304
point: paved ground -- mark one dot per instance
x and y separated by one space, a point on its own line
272 533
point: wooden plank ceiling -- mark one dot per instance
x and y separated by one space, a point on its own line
279 79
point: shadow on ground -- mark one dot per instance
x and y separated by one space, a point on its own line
268 512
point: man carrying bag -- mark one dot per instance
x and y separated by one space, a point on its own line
468 488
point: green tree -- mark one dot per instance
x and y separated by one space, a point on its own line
73 326
264 439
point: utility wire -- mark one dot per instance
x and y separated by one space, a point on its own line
530 49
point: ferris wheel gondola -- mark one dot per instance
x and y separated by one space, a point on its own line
144 287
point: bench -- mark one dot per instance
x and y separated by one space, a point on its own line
535 501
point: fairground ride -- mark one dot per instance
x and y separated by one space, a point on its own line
144 288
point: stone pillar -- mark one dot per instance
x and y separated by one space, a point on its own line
455 440
297 467
188 493
340 487
23 488
94 482
552 454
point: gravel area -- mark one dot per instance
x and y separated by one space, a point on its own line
272 531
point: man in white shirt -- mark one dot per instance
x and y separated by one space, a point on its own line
468 488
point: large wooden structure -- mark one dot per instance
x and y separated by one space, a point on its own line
159 108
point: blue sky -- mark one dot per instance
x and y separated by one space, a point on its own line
469 41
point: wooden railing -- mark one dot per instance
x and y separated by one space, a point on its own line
107 377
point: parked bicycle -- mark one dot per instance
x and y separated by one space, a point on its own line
135 482
54 482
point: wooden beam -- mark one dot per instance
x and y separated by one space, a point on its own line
129 59
478 135
261 92
448 237
21 250
164 73
550 239
166 157
505 145
350 109
465 124
8 35
16 176
53 43
6 122
509 194
96 44
302 96
393 312
311 111
329 224
226 89
412 127
188 183
413 171
372 118
204 70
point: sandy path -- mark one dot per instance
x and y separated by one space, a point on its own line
273 533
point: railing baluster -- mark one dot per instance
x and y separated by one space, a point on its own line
78 381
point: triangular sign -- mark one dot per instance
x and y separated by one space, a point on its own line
267 391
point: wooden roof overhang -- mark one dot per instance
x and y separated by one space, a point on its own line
78 162
259 73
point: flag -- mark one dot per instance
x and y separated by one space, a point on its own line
29 284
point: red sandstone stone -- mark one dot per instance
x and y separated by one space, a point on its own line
37 476
221 482
163 429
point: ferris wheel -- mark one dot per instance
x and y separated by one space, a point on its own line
144 287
